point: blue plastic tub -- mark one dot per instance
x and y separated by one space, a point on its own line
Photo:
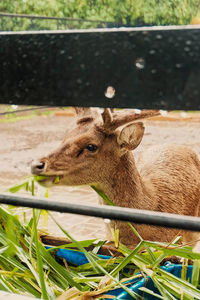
79 258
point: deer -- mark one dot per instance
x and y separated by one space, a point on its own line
98 151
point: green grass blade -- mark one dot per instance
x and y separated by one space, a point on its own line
102 195
45 294
63 274
185 252
182 284
150 292
195 273
127 259
17 188
163 291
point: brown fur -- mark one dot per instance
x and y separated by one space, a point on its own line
166 179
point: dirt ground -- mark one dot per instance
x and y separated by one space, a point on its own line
25 140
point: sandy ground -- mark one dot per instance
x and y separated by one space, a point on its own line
26 140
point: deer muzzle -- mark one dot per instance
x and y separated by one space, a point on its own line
38 168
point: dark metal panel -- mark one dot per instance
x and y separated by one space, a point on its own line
103 211
155 67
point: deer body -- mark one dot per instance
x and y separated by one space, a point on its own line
157 185
166 178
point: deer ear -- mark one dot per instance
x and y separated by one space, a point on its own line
131 136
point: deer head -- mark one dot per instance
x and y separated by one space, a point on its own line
92 146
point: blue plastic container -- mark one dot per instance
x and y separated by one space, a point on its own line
79 258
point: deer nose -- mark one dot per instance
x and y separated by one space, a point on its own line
37 167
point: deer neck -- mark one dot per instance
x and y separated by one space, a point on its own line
123 184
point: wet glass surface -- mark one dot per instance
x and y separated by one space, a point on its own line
147 67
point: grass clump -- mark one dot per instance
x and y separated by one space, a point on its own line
27 267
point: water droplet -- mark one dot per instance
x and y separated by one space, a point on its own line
153 71
110 92
113 51
178 66
62 51
188 42
152 51
163 102
69 57
17 95
79 81
187 49
159 36
140 63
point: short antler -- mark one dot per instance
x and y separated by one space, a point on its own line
114 120
107 117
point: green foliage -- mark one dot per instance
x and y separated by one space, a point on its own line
32 269
124 12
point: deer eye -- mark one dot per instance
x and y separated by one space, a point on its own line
91 147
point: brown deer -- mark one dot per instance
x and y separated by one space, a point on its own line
97 151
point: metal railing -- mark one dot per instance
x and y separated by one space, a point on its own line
21 22
108 212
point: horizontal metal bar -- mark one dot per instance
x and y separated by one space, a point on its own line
108 212
148 67
53 18
23 110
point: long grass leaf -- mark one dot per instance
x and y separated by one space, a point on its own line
45 294
17 188
195 273
150 292
188 287
127 259
102 195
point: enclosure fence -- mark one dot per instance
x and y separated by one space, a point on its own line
151 67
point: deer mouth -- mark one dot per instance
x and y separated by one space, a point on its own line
49 180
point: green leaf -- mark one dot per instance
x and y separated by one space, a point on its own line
195 272
17 188
102 195
187 287
45 295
